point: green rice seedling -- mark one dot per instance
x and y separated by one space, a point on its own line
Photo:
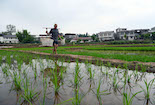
56 79
147 89
17 81
98 93
8 60
125 65
91 73
45 88
20 65
143 68
108 64
77 79
34 68
66 101
115 80
127 98
129 78
5 70
0 60
29 95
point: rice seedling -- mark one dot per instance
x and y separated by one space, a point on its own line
77 79
56 76
29 95
115 80
66 101
5 70
143 68
98 93
127 98
147 89
45 88
17 81
129 78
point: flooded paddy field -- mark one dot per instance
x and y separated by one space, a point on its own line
28 79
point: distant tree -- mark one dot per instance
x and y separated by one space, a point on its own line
79 40
4 33
147 36
25 37
125 36
95 38
153 36
11 29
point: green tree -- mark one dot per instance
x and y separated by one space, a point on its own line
146 36
25 37
153 36
125 36
79 40
95 38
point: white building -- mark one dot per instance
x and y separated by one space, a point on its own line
47 41
82 39
107 35
152 30
70 36
125 34
8 39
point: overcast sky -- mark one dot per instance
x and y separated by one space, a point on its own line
77 16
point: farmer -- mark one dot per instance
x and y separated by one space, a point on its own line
55 34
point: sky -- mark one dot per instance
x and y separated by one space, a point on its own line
77 16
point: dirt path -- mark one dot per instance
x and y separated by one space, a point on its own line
150 66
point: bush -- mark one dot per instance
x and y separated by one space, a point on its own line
129 42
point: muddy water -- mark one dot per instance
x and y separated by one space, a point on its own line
111 92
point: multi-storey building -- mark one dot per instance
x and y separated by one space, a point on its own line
107 35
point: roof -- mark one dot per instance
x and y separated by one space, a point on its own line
69 34
9 36
107 32
82 38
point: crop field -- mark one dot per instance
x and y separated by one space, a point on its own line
29 79
130 52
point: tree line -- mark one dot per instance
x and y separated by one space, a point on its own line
23 36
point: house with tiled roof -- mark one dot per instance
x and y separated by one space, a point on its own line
8 39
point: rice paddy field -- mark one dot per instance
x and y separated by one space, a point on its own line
129 52
29 79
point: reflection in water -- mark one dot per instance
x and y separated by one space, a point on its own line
56 79
62 85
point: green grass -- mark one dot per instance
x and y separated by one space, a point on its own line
142 58
122 48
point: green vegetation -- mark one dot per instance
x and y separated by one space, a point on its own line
25 37
130 52
42 80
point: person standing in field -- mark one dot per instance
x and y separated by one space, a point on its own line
55 34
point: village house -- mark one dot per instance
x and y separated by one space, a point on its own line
81 39
152 30
70 36
8 39
125 34
106 36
